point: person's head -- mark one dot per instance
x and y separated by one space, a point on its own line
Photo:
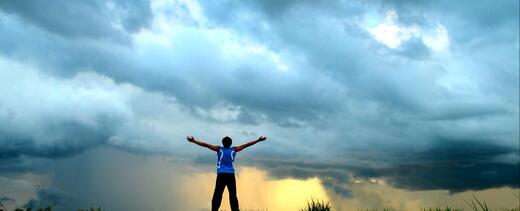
226 141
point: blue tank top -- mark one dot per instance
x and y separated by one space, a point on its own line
226 157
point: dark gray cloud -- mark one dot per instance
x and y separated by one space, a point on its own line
92 19
47 198
448 165
475 18
461 110
457 165
23 164
78 138
454 165
5 199
455 178
35 124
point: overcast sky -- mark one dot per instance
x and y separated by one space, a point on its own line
421 96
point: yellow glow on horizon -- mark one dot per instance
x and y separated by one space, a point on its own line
291 194
257 191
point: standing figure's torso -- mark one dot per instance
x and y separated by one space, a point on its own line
225 159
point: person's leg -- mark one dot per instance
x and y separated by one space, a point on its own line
232 190
220 184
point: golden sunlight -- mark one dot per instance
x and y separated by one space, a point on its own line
255 191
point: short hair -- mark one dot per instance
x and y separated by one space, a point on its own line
226 141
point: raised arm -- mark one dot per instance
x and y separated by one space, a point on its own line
251 143
203 144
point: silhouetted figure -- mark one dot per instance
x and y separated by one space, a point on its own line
225 169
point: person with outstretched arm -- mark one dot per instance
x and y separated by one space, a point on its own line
225 169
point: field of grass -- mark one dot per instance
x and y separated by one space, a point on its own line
319 205
475 205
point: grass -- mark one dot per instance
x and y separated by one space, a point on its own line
319 205
442 209
475 205
478 205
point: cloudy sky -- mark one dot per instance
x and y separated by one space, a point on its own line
369 104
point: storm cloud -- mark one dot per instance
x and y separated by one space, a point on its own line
415 93
93 19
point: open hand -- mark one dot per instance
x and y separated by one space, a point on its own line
190 138
262 138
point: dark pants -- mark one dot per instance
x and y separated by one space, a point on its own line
223 180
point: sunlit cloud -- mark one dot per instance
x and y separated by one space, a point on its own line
390 32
